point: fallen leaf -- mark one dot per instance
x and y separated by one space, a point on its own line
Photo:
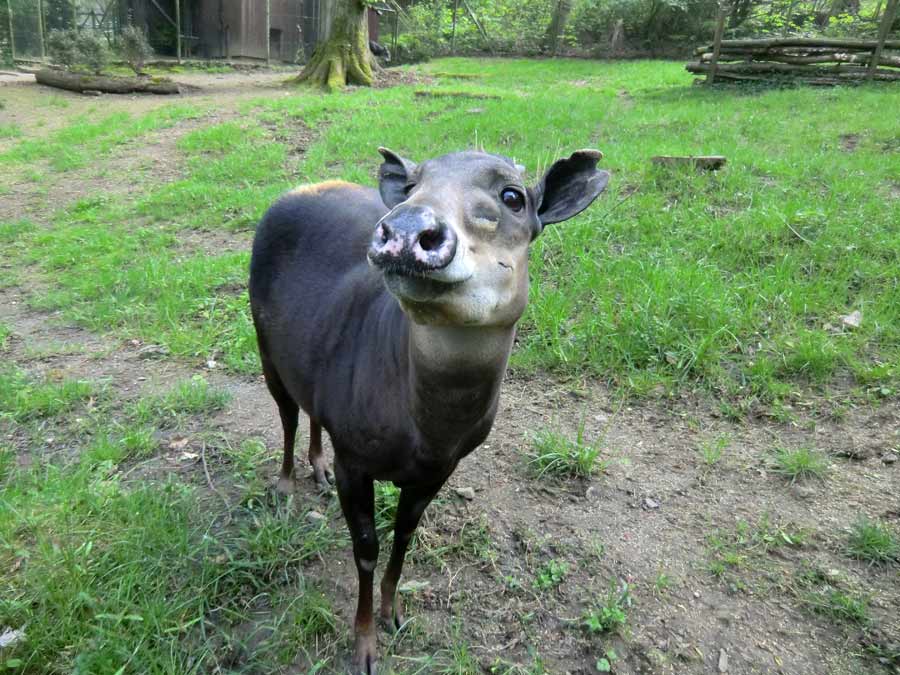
178 443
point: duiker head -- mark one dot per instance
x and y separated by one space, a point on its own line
454 246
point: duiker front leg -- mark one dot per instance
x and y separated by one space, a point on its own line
413 501
357 495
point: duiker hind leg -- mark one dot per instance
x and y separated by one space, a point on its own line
289 412
321 472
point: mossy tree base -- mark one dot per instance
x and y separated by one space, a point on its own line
344 58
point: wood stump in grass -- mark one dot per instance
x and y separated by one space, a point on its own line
344 57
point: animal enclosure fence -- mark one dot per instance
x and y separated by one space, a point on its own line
280 30
803 59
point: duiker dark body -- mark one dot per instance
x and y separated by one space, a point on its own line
388 317
338 342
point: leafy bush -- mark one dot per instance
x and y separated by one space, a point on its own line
134 48
74 49
63 47
93 52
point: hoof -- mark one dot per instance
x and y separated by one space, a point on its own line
365 656
392 618
285 486
324 477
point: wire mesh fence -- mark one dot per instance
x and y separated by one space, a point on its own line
281 30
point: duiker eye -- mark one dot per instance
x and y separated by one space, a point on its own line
513 199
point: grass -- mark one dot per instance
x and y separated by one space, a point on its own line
189 397
821 593
733 282
9 130
712 450
551 575
873 542
610 615
22 399
799 463
726 280
85 139
555 454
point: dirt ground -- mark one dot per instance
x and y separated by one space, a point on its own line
651 520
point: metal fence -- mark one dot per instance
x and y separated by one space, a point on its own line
280 30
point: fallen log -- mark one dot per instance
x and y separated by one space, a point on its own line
424 93
837 71
704 162
108 84
768 43
889 61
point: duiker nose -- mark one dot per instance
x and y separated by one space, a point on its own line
414 240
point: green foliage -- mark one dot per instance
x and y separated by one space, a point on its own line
134 48
555 454
551 575
611 613
78 49
189 397
93 52
799 464
22 399
62 46
873 542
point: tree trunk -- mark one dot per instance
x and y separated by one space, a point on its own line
344 57
557 26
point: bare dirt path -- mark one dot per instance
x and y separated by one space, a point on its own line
659 521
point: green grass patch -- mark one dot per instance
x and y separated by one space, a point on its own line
611 613
86 139
190 397
10 130
22 399
873 542
799 463
551 575
553 453
106 576
735 280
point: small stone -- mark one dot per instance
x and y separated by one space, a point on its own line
465 492
697 594
803 491
211 364
315 517
853 319
723 661
475 111
889 457
650 504
9 637
92 92
591 493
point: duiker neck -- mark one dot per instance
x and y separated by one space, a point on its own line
455 374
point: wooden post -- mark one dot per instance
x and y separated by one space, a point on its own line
717 42
453 31
268 32
40 10
178 30
12 38
890 12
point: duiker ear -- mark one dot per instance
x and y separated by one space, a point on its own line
569 187
393 176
